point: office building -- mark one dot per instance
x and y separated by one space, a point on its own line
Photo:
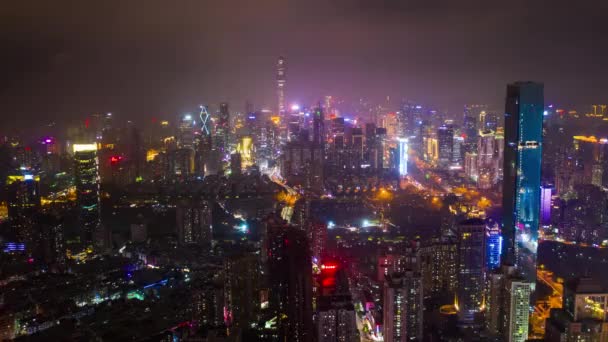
222 128
87 190
403 307
522 170
318 122
487 159
445 142
186 130
471 239
23 199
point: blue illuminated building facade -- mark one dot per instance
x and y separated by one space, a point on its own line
522 171
403 157
493 247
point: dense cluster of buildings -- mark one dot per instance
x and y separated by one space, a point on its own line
327 222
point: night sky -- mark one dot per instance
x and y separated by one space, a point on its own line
65 59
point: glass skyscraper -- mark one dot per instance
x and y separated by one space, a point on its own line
522 167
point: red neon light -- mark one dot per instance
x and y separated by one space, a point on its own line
115 159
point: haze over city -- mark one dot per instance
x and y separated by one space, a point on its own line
145 58
304 171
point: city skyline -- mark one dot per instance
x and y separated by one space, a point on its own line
320 171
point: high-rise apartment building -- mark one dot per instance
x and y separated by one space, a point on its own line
403 307
508 305
193 223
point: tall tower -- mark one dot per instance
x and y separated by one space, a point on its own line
87 190
471 264
288 262
23 204
403 307
222 129
522 165
281 79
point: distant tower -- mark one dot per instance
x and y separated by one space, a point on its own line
281 65
205 121
222 128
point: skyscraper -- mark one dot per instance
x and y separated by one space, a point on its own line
522 166
23 203
87 190
494 246
318 121
290 279
471 266
281 79
403 156
222 128
508 305
445 139
403 309
186 131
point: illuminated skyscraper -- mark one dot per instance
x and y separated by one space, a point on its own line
186 131
522 166
471 236
545 205
403 156
87 190
445 140
23 203
318 121
508 305
403 308
222 128
281 79
494 247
